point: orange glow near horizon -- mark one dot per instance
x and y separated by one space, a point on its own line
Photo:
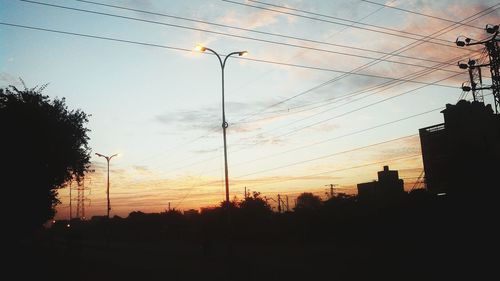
153 196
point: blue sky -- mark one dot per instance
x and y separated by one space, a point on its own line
161 109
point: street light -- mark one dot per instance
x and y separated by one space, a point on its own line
108 158
224 123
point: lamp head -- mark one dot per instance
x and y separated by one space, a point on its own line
463 65
200 48
466 88
491 28
242 54
460 42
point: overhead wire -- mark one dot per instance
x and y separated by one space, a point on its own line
380 87
340 170
400 50
342 24
256 31
192 51
416 13
221 33
360 108
371 2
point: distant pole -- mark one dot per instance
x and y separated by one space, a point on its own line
107 192
70 206
331 189
83 200
279 204
245 193
169 206
287 207
108 158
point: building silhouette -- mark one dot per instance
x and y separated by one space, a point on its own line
388 187
463 153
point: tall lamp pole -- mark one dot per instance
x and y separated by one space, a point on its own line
224 123
108 158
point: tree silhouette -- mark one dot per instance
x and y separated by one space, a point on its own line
308 200
44 146
255 205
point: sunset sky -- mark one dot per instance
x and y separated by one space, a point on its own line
298 116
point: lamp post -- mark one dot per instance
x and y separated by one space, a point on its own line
108 158
224 123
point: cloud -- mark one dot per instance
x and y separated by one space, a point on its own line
145 5
250 20
209 117
203 151
193 120
8 79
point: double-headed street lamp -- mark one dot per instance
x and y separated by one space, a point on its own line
224 123
108 158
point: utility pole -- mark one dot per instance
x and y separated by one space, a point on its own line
491 48
70 199
80 200
245 195
279 204
331 188
287 206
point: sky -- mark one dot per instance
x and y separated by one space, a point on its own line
318 100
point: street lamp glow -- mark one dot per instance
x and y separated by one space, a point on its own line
200 48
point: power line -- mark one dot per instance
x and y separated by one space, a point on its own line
114 39
223 33
358 109
341 170
400 50
422 73
325 156
337 18
416 13
383 87
256 31
343 24
312 144
337 32
313 159
374 62
192 51
339 137
99 37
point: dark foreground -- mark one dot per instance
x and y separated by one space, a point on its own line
417 239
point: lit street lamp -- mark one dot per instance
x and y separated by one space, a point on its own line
108 158
224 123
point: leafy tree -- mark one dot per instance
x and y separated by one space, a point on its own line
254 205
44 146
307 201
